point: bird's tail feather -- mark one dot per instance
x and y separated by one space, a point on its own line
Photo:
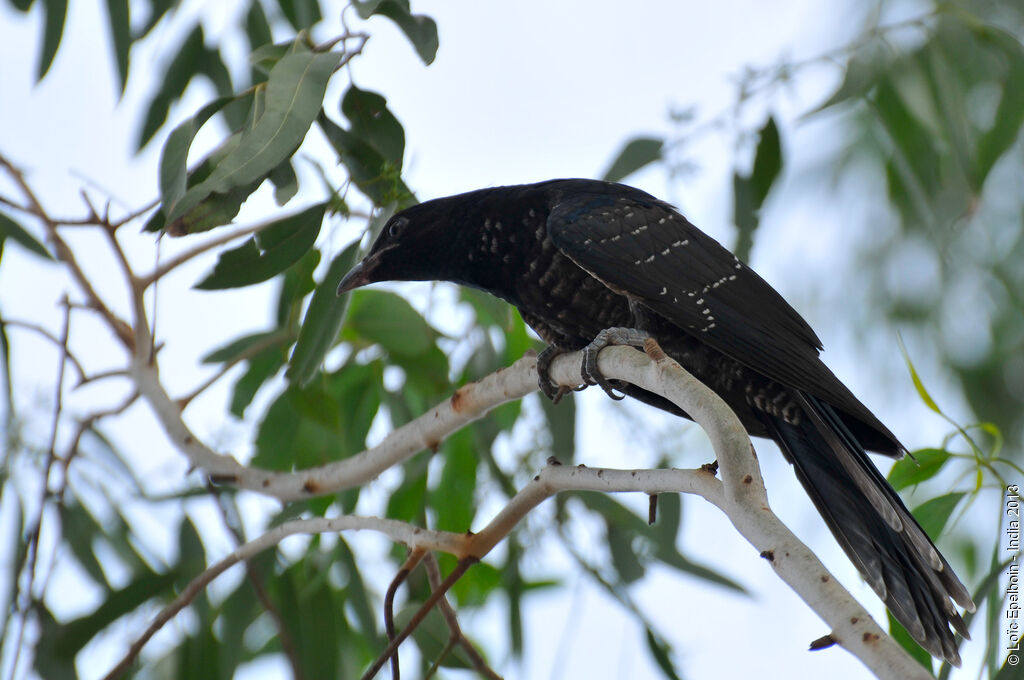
874 527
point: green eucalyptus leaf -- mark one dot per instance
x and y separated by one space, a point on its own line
294 96
390 321
419 29
767 162
174 157
452 500
9 229
662 653
323 321
636 154
925 464
380 180
374 123
172 83
932 515
268 253
53 29
119 18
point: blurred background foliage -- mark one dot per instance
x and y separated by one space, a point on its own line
930 110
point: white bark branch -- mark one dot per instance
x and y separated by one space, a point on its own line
740 494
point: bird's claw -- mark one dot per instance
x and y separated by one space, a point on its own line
547 386
610 336
592 374
588 370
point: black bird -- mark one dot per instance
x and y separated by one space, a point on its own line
579 256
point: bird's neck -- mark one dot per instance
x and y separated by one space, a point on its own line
498 241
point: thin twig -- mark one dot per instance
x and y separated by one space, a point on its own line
32 554
15 323
249 352
195 251
421 613
451 618
86 424
389 603
399 532
143 338
120 328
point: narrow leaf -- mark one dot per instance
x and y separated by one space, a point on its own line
421 30
918 384
173 81
257 27
285 181
374 123
174 156
9 229
75 634
53 28
366 8
244 345
636 154
452 500
268 253
624 558
932 515
390 321
323 321
157 10
121 36
294 96
860 76
375 177
924 465
767 162
301 14
1009 116
661 652
261 368
744 216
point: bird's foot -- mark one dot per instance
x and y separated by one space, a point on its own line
609 336
551 390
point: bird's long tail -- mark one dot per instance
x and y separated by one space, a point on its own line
876 530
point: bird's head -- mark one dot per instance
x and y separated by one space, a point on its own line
413 246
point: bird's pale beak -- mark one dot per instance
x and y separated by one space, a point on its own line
356 277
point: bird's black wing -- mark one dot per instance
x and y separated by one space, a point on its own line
642 248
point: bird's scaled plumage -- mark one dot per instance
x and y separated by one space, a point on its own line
579 256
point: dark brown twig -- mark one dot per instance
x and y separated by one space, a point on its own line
451 618
389 603
121 329
421 613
